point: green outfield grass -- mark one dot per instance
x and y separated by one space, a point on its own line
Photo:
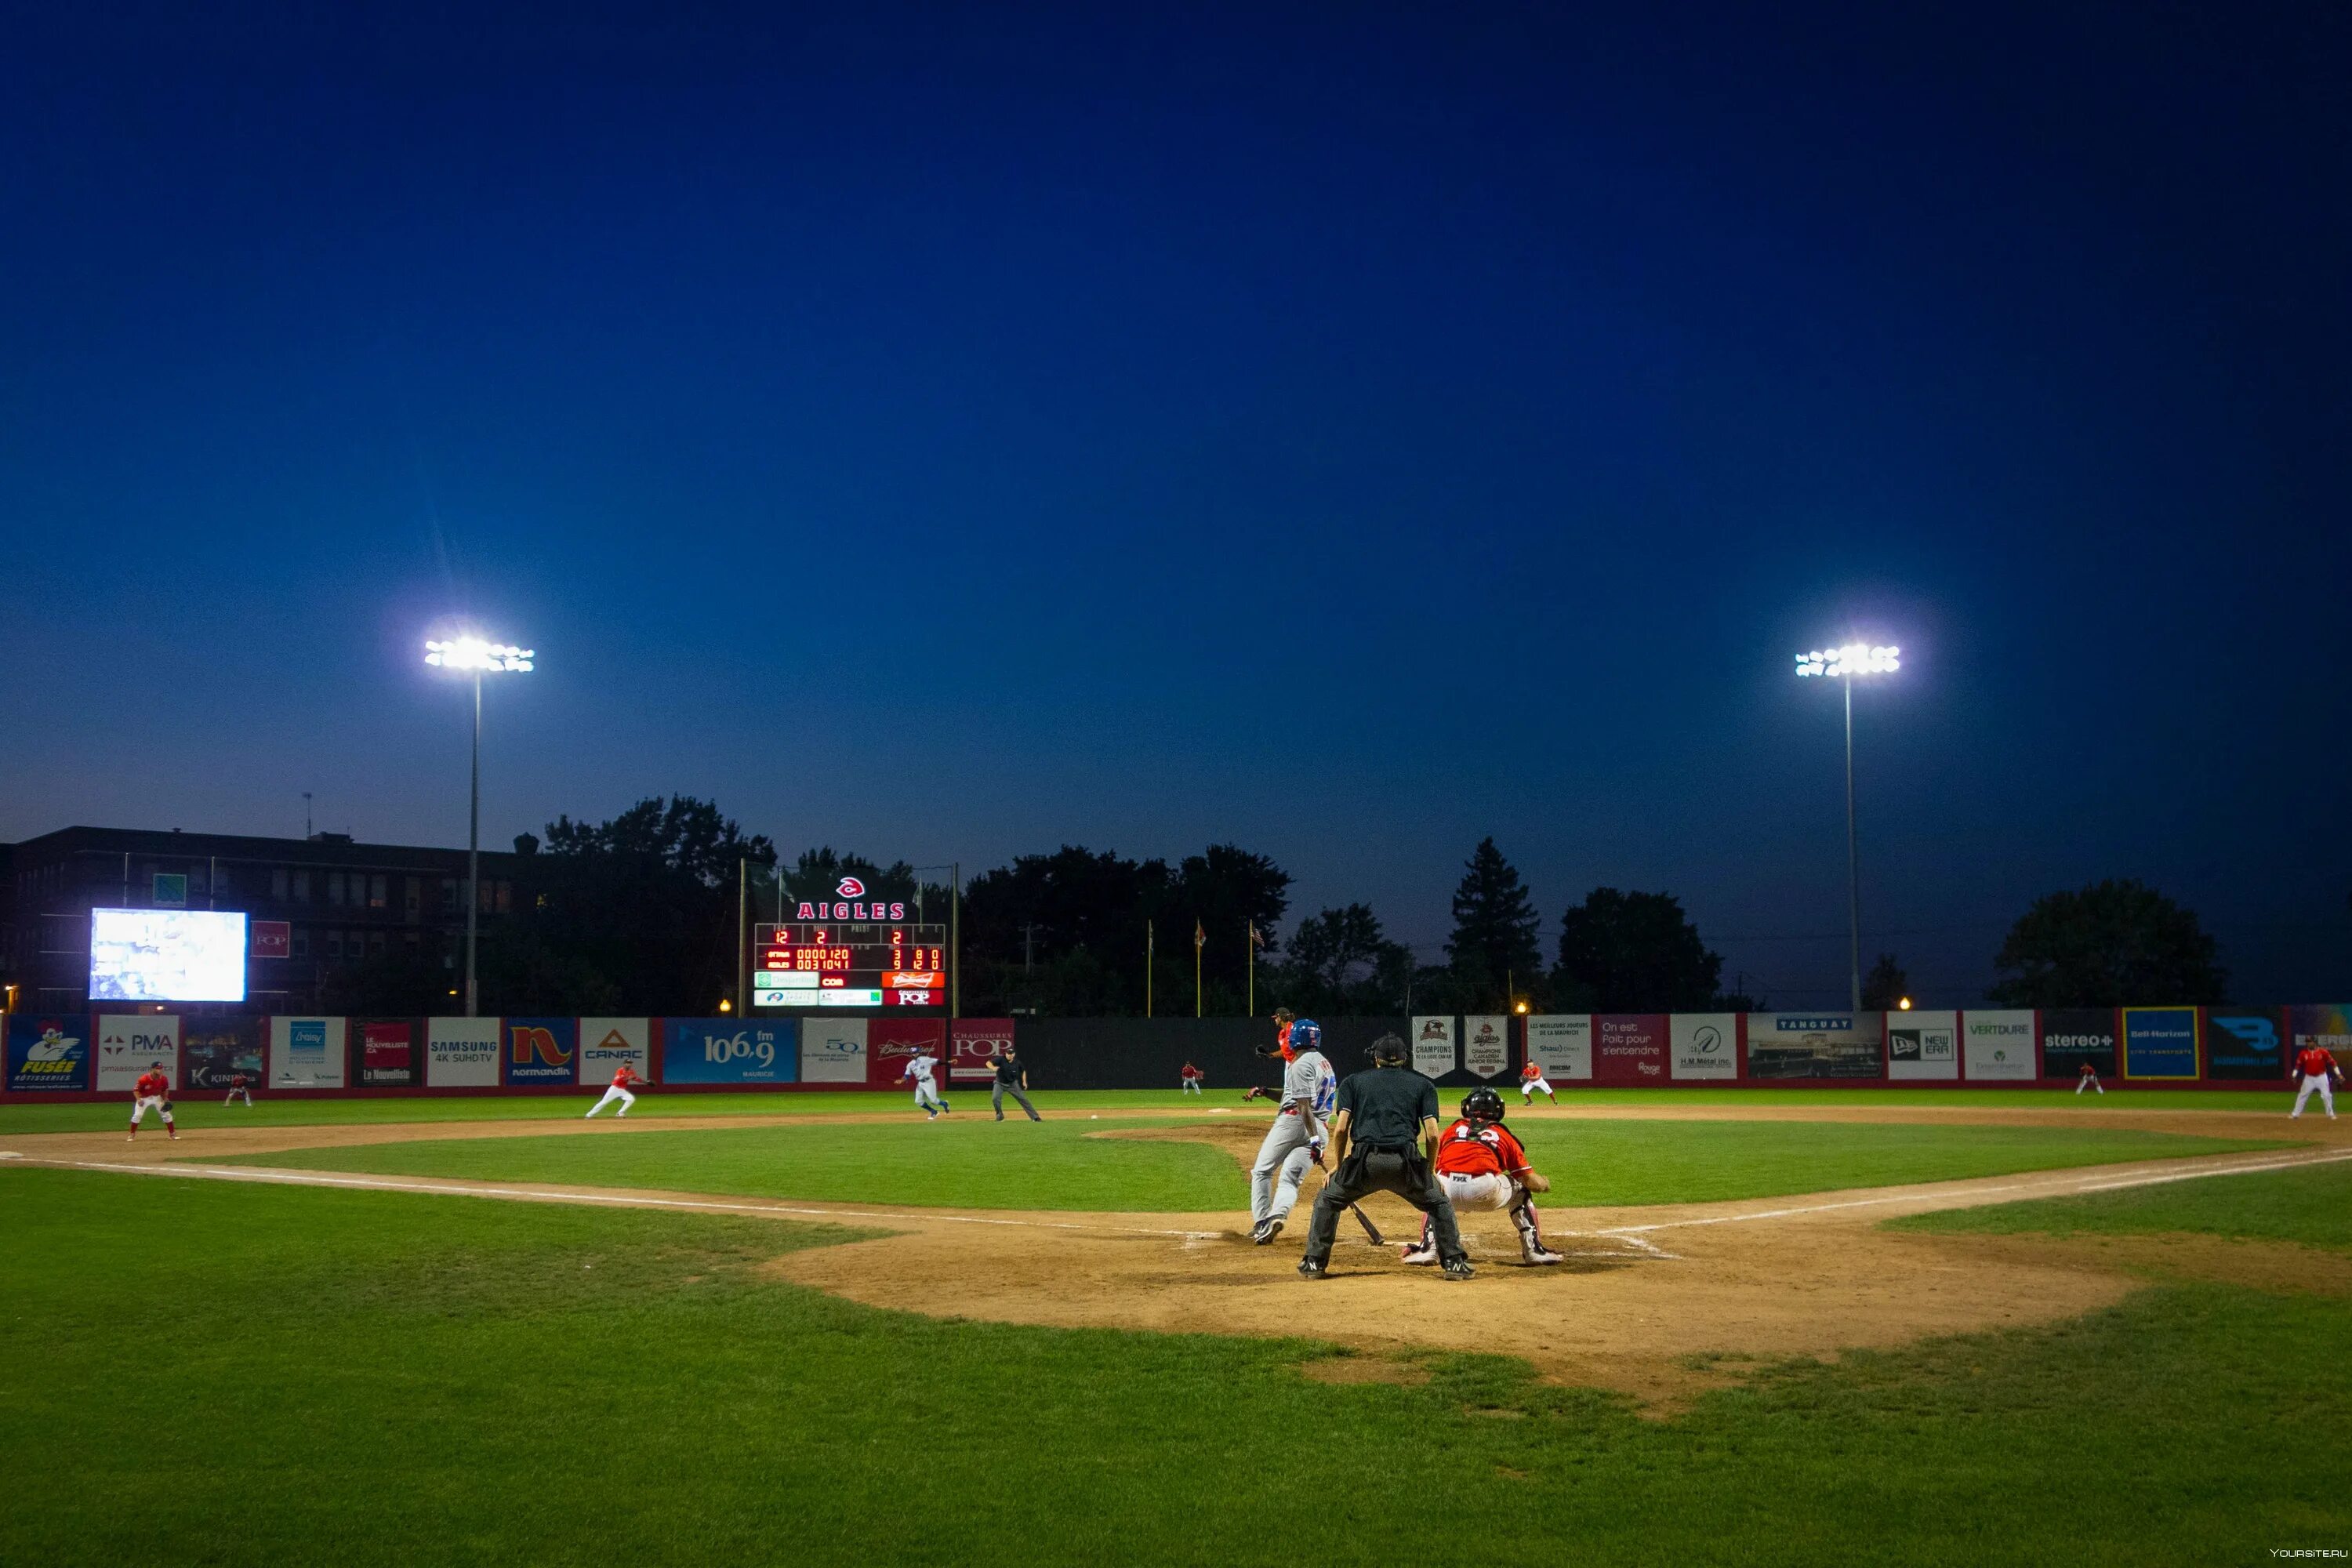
221 1374
2311 1205
972 1161
23 1114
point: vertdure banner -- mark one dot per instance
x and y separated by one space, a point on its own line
1997 1046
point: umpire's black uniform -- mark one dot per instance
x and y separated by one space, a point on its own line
1387 1109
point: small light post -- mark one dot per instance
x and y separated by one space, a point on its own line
1846 665
476 657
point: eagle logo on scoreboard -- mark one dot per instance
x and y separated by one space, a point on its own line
853 906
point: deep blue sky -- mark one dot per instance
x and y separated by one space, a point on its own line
952 436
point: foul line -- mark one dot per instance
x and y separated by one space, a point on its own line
372 1184
2290 1162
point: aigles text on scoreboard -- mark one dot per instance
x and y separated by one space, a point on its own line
809 965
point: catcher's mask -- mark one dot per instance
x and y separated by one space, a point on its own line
1388 1051
1482 1105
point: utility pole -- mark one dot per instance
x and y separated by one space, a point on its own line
955 940
1028 948
1147 964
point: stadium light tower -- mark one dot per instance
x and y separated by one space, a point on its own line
476 657
1847 665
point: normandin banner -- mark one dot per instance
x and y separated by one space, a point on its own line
971 1042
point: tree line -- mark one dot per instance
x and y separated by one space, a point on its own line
639 915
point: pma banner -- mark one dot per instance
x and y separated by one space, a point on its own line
49 1055
539 1050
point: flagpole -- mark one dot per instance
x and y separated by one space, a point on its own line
1253 967
1147 969
1196 968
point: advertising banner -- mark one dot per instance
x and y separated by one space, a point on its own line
1705 1046
1560 1044
1923 1045
130 1043
305 1052
213 1051
48 1053
1814 1045
1628 1048
542 1050
1486 1046
2328 1027
387 1053
2072 1035
608 1045
892 1043
2244 1043
731 1050
833 1050
1998 1047
2160 1043
271 939
971 1042
1432 1046
461 1053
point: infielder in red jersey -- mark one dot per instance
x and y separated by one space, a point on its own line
1191 1079
623 1081
1532 1082
1482 1166
152 1092
237 1085
2316 1065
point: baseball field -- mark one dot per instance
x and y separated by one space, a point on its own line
1792 1328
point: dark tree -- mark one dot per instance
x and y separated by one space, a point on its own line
1494 939
1633 952
1341 963
2113 944
1885 986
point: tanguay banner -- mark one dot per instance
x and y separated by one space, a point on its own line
1814 1045
1705 1047
1561 1044
1997 1047
214 1050
1432 1045
129 1044
1923 1045
461 1053
607 1045
1487 1045
1628 1048
305 1052
2072 1036
48 1053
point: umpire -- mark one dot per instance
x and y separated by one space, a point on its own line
1383 1140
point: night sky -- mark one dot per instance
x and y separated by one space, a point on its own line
950 437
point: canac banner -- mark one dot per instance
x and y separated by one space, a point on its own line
129 1044
387 1052
48 1053
214 1050
892 1043
542 1050
1560 1044
731 1050
461 1053
1923 1045
1997 1047
1628 1048
1705 1046
1487 1045
608 1045
971 1042
305 1052
2072 1036
2244 1043
1814 1045
833 1050
2160 1043
1432 1046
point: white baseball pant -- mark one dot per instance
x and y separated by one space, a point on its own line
2311 1080
612 1094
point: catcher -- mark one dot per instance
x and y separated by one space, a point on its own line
1482 1166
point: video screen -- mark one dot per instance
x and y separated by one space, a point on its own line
167 955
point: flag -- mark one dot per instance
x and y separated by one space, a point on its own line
1255 939
1200 937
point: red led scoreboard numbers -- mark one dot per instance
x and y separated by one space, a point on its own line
805 964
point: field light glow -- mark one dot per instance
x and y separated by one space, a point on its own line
1854 658
473 653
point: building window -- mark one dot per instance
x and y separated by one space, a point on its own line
375 940
506 896
448 895
298 943
378 894
414 946
334 944
335 888
278 884
301 886
415 901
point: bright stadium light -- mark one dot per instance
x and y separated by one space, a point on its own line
1846 665
475 657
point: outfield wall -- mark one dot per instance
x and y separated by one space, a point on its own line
97 1056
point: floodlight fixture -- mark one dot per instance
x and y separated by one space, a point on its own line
1846 665
477 657
472 653
1853 658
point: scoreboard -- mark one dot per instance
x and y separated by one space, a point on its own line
887 965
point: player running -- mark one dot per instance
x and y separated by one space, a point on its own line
1297 1138
623 1081
2316 1065
237 1085
1532 1082
1191 1079
922 1069
1483 1167
153 1092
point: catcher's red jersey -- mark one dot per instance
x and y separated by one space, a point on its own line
151 1086
1470 1149
2313 1061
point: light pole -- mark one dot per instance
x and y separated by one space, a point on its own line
1848 664
476 657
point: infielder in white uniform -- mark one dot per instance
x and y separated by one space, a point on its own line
1298 1135
922 1069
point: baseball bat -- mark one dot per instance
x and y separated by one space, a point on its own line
1370 1228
